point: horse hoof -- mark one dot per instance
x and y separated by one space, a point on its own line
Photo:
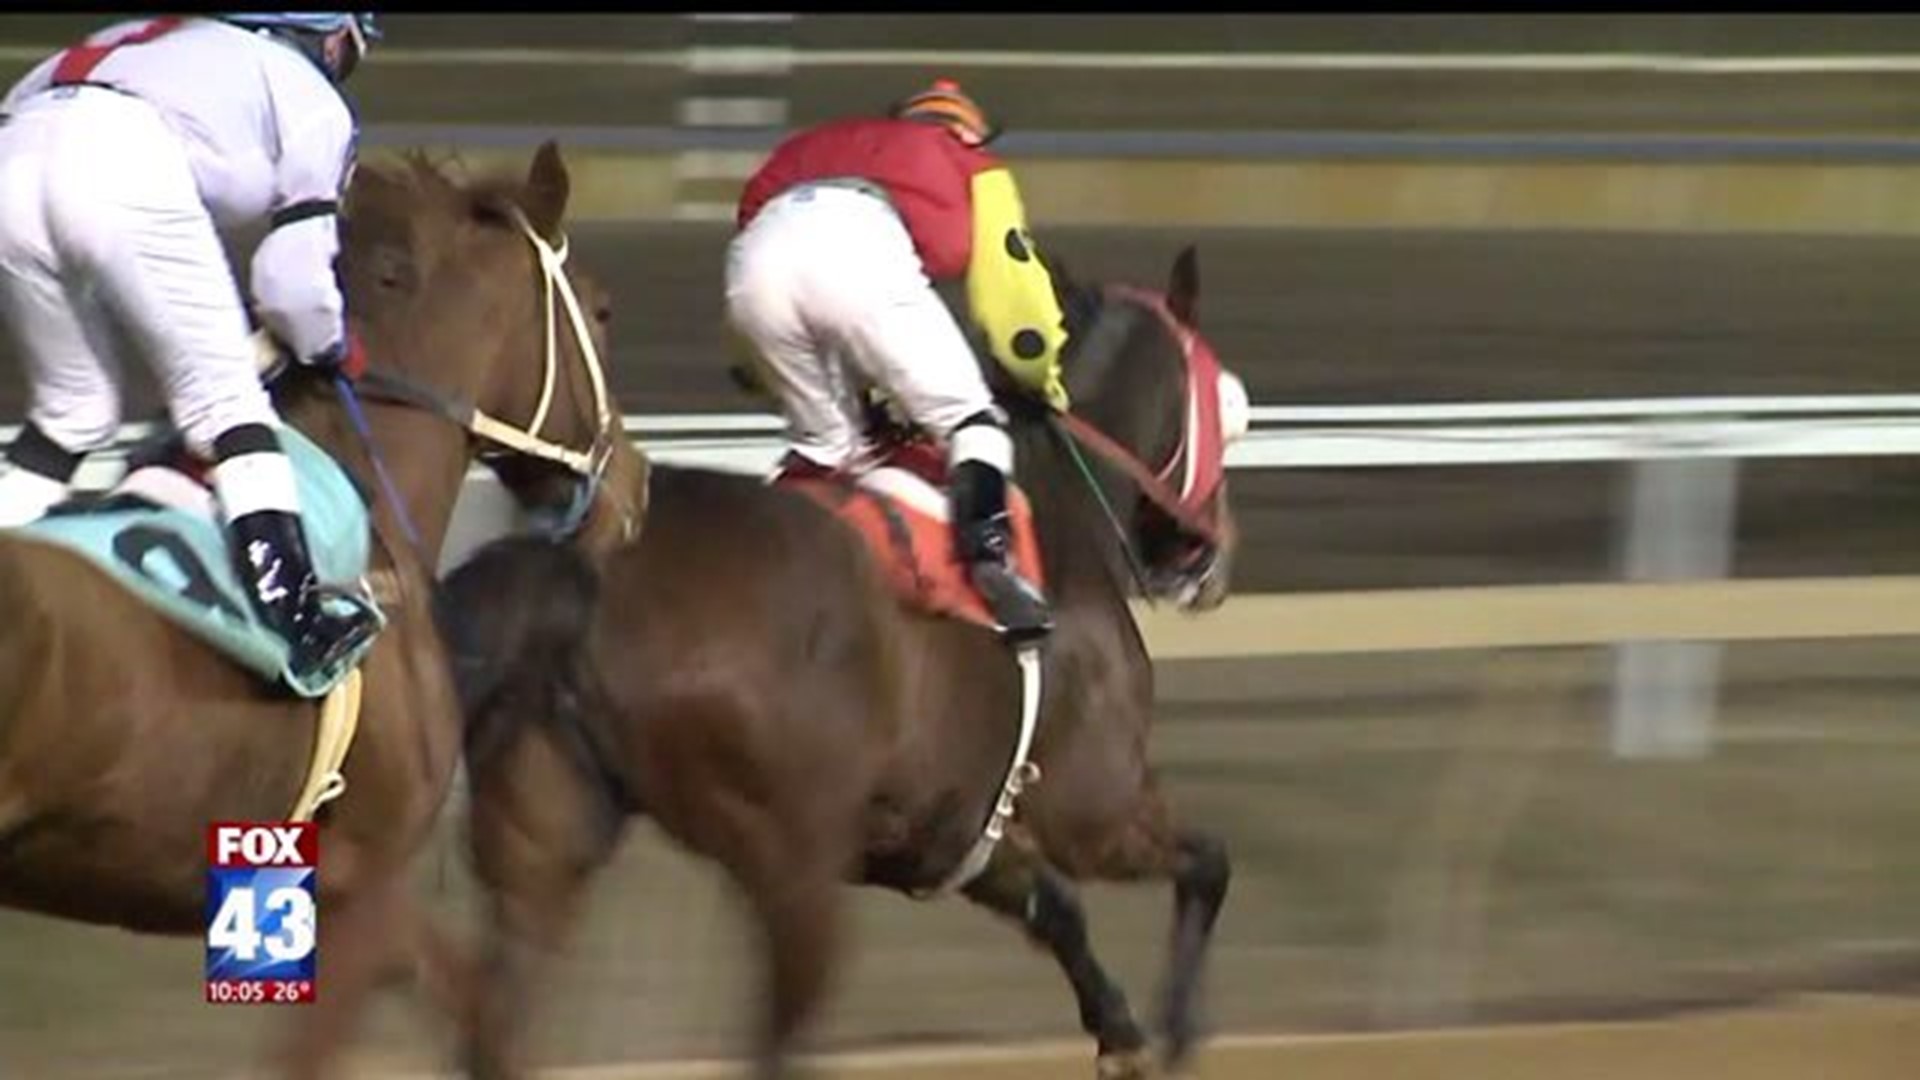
1125 1065
1179 1065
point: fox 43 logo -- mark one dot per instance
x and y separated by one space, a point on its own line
262 916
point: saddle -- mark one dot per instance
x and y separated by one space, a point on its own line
897 503
158 534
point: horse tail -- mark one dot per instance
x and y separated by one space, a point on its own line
515 618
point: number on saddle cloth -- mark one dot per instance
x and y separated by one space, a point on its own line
133 544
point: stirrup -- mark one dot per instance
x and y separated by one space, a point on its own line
1018 608
352 631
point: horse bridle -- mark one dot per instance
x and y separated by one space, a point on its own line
590 465
1189 505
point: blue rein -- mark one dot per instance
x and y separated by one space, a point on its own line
558 525
358 417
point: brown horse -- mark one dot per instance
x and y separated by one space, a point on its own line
121 736
740 673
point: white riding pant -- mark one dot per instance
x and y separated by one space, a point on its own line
101 223
827 286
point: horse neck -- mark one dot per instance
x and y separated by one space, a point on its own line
425 456
1082 555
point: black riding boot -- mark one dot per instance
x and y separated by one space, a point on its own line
278 573
983 534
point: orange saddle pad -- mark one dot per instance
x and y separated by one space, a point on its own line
899 508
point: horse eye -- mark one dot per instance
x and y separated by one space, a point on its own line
602 314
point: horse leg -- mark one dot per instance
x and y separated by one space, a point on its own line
1150 846
528 924
539 835
802 918
439 966
357 949
1019 885
1201 871
792 879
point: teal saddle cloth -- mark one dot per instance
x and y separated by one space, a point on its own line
179 562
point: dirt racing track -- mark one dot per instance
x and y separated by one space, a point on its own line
1815 1039
1857 1036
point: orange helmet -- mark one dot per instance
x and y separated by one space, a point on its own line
945 103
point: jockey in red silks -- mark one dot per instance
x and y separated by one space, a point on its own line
842 232
124 162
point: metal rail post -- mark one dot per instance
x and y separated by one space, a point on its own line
1678 526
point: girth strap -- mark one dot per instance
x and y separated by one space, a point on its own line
1020 772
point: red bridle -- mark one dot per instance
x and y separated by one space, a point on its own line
1198 462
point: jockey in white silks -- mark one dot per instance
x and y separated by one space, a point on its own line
123 162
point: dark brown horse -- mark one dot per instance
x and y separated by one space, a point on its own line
741 674
121 736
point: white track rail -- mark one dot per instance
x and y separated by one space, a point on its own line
1373 436
1676 525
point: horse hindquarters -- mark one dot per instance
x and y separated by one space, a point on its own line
748 645
726 677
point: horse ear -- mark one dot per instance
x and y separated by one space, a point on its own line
545 199
1183 288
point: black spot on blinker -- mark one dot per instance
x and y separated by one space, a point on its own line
1028 344
1017 247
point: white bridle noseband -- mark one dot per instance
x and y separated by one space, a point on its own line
527 440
